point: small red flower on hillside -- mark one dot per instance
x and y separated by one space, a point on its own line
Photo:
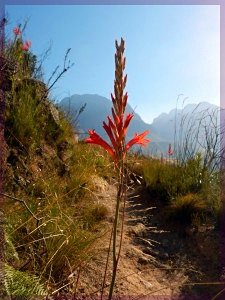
17 31
26 45
170 150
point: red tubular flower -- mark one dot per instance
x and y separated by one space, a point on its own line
111 124
26 45
115 117
17 31
125 100
113 99
138 139
170 150
120 125
113 127
127 123
96 139
108 130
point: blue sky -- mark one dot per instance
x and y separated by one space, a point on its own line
170 50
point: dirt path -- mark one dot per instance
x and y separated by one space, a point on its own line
190 256
154 260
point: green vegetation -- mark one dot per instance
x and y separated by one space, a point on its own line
52 217
186 209
22 284
190 193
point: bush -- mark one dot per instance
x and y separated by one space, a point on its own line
189 190
187 209
170 179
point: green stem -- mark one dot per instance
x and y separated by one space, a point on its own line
115 260
106 265
115 256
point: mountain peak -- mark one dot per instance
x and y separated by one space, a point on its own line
98 108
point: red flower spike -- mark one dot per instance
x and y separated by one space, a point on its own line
96 139
113 127
118 123
26 45
138 139
124 62
124 81
127 123
125 97
17 31
116 118
113 99
108 130
123 127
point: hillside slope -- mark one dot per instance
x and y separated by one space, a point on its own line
51 219
59 202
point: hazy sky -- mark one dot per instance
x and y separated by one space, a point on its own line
170 50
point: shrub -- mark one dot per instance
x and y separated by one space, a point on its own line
170 179
187 209
165 180
190 191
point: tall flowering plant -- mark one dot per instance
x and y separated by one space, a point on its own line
116 128
117 124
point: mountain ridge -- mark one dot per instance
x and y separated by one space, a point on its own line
99 107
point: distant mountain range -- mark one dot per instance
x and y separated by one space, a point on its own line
162 130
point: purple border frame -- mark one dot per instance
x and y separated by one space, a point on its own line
221 3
